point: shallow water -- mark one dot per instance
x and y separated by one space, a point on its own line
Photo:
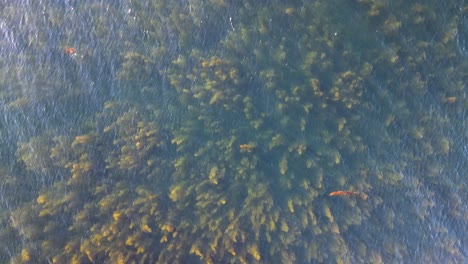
176 132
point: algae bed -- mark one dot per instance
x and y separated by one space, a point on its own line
144 131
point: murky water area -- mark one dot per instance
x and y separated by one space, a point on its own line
233 131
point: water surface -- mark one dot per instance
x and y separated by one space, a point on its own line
184 132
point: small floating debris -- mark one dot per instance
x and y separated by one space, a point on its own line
70 50
348 193
343 193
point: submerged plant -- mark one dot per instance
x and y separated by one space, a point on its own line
228 127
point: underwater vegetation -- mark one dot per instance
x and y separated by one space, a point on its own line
215 132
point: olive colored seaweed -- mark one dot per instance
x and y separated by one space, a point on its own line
218 128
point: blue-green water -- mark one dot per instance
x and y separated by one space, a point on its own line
214 132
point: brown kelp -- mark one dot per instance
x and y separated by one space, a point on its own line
221 128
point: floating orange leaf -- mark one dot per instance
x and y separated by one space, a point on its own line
70 50
343 193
